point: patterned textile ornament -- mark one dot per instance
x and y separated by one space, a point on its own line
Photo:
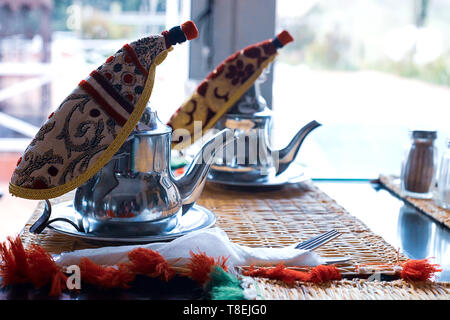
91 124
222 88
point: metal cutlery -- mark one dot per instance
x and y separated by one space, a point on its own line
319 241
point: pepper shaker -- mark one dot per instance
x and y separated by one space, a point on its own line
419 165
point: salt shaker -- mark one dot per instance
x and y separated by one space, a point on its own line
419 165
443 183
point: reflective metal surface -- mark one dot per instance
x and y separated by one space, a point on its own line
294 174
414 233
137 187
194 219
250 159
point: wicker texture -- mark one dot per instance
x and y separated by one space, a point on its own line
356 289
267 219
428 207
293 214
279 218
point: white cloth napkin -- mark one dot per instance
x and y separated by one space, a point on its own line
214 242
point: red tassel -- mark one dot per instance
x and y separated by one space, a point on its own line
200 266
280 272
41 267
318 274
324 273
14 266
33 265
150 263
418 270
105 277
59 282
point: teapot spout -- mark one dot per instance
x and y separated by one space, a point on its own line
191 184
288 154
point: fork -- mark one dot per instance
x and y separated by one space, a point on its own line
318 241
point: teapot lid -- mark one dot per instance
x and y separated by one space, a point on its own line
149 124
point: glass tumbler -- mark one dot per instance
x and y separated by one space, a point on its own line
442 197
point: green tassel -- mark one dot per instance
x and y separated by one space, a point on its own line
224 286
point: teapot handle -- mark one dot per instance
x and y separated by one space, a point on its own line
44 220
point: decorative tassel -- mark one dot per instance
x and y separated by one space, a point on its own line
150 263
105 277
33 265
418 270
280 272
224 286
324 273
318 274
200 266
42 269
59 282
409 270
14 266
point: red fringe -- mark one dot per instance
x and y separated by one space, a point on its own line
59 282
33 265
318 274
14 266
324 273
42 269
105 277
418 270
150 263
200 266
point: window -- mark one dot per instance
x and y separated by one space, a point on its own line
369 70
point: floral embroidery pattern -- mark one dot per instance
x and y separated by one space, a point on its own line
36 162
81 130
46 128
148 48
239 73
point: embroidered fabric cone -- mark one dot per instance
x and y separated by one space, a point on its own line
220 90
91 124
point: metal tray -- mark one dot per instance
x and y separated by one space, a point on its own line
294 174
196 218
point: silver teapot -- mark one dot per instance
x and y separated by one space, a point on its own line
136 192
250 158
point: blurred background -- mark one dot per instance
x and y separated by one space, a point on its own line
369 70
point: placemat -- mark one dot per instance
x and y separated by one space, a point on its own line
274 218
428 207
355 289
278 218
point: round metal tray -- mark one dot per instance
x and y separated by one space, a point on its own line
294 174
196 218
